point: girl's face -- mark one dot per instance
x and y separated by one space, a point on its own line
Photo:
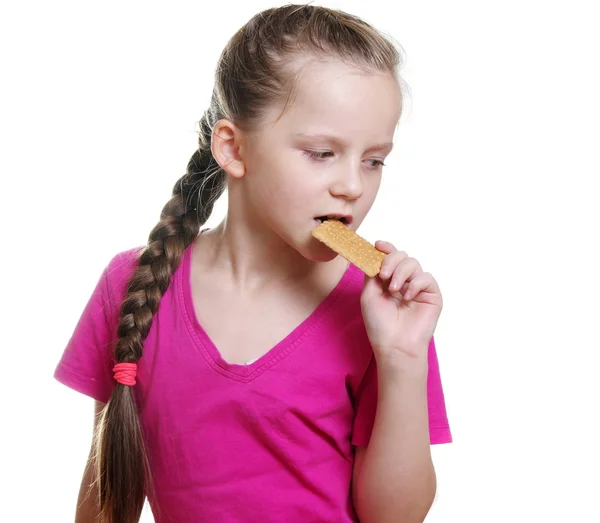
323 156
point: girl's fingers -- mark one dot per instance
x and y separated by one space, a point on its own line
390 262
399 280
407 271
382 245
405 275
385 247
423 281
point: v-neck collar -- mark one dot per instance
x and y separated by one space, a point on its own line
249 372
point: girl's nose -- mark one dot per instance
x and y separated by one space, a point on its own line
348 182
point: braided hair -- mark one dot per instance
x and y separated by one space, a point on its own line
120 449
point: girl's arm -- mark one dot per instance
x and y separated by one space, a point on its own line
394 479
87 502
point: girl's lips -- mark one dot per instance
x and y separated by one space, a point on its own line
317 223
346 219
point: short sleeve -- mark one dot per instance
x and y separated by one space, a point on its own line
366 403
87 361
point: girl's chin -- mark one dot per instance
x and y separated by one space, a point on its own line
322 253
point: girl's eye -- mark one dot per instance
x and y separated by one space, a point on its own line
322 155
317 154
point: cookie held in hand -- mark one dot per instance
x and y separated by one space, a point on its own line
350 245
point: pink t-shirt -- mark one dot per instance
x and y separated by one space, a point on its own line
271 441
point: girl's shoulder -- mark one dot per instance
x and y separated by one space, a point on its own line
119 269
124 261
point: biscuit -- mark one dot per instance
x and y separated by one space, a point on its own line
350 245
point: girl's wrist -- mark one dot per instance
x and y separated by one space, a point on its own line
394 365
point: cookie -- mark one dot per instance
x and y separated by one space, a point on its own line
350 245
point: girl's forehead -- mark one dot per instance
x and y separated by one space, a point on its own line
344 98
343 82
336 99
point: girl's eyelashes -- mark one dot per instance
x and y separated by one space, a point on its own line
322 155
317 154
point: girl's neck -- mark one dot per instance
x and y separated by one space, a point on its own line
233 258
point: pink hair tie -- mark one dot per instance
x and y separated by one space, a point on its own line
125 373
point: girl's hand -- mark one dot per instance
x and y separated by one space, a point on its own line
400 306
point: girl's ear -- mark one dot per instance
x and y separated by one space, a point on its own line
226 147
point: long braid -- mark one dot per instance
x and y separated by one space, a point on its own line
123 472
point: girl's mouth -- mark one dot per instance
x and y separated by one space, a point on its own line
345 220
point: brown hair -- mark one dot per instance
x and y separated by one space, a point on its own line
253 72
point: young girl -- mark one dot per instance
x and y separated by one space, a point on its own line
247 373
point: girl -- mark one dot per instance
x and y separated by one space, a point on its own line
248 373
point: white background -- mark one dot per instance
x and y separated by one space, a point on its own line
493 187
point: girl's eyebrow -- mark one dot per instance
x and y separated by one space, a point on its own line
343 143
